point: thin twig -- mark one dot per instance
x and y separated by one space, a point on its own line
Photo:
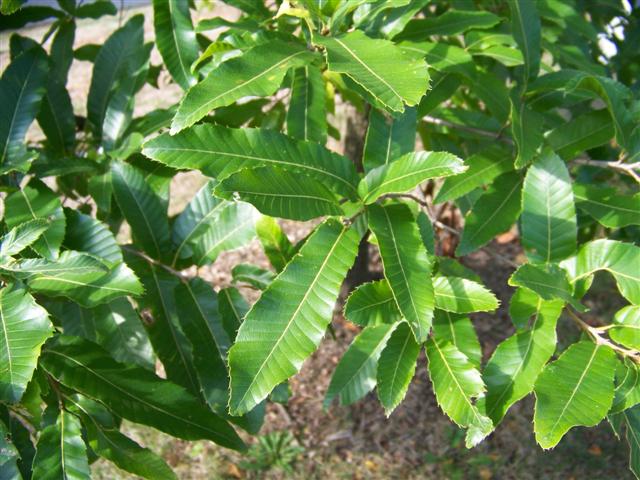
618 165
478 131
182 276
596 335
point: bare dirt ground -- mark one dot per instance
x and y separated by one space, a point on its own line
359 442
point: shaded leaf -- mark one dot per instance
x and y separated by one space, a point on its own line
388 138
306 115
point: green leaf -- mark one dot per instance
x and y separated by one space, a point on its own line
443 57
135 393
406 265
491 90
516 363
548 281
287 323
96 9
109 443
220 151
618 258
22 86
581 133
407 172
548 212
87 290
493 213
606 206
393 78
525 26
526 128
372 304
33 202
388 138
576 389
483 168
10 455
258 72
457 330
197 307
627 390
426 231
142 208
21 236
396 367
176 39
86 234
25 327
632 420
452 22
355 374
232 308
306 115
114 58
198 216
162 323
233 228
459 295
275 243
61 452
509 57
625 328
278 192
70 265
252 275
456 382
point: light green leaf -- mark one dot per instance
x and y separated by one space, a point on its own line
548 212
69 266
396 367
516 363
388 138
372 304
286 325
509 57
37 201
220 151
86 234
355 375
258 72
576 389
61 452
278 192
550 282
493 213
407 172
22 87
275 243
458 330
456 382
459 295
21 236
142 208
25 327
452 22
306 116
135 393
381 68
620 259
406 265
525 26
581 133
626 327
483 168
606 206
176 39
197 307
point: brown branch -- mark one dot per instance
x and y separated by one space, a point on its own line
618 165
466 128
181 275
596 334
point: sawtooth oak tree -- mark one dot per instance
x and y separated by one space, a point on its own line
482 117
